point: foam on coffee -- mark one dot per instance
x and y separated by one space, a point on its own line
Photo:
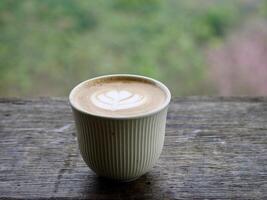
118 96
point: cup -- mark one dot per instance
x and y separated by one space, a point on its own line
121 148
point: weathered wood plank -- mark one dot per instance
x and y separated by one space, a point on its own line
215 148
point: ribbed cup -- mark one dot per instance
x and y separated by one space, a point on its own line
120 148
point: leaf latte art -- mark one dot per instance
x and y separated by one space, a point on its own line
118 96
117 100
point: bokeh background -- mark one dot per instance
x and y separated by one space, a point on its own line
204 47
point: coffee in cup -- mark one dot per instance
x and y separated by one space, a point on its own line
119 96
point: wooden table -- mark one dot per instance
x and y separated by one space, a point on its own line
215 148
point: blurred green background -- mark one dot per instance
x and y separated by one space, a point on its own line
205 47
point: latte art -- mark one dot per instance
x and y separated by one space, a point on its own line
117 100
118 96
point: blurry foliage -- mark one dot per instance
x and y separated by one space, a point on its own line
239 65
48 46
215 22
140 6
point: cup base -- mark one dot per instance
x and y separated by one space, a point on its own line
130 180
119 180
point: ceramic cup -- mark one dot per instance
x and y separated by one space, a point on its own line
121 148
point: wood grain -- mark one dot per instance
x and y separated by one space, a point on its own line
215 148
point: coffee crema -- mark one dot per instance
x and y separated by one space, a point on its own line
118 96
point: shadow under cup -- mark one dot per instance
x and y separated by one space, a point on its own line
121 148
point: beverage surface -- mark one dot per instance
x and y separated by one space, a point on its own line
118 96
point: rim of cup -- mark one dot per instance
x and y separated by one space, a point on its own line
151 80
